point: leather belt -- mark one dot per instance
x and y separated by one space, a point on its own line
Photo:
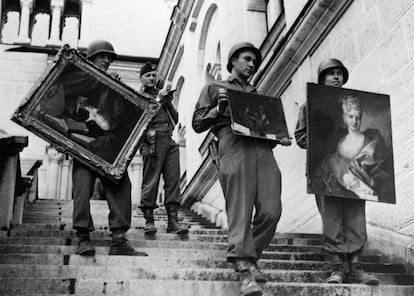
160 127
224 130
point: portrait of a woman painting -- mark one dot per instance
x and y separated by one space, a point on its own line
354 152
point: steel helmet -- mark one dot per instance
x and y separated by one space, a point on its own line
329 64
242 46
99 46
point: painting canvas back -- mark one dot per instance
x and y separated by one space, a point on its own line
350 150
257 116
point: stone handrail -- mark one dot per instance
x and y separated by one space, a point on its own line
11 181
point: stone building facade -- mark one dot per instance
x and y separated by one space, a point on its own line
374 39
31 33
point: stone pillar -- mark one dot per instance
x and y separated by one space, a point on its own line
64 180
136 179
53 173
86 27
26 9
7 189
57 10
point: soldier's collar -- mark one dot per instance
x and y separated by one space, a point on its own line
233 78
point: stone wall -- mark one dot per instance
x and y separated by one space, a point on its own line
375 41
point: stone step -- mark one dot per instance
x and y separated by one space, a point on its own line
31 271
103 225
190 261
104 221
196 229
38 217
68 226
178 244
134 235
187 288
164 252
38 258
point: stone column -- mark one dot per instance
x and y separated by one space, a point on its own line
26 9
86 27
136 179
64 180
53 173
57 10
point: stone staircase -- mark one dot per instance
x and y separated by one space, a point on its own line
38 258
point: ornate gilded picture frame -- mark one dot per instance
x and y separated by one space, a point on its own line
83 111
350 150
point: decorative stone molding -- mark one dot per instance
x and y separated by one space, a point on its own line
194 15
174 35
256 5
292 48
203 180
218 217
215 71
176 62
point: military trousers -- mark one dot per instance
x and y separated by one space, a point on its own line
165 162
250 179
118 197
343 223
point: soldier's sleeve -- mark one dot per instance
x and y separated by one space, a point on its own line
301 129
205 114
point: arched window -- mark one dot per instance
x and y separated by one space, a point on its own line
10 21
40 23
71 23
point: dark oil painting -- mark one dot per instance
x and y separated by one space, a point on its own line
87 113
257 116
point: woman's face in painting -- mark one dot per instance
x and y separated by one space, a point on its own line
352 119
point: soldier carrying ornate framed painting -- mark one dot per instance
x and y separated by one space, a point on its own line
87 113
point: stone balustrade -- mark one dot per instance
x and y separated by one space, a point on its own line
46 24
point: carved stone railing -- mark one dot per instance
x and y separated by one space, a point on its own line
16 189
11 181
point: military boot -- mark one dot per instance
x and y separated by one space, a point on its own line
248 284
121 246
173 225
259 276
149 221
358 274
85 245
338 275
